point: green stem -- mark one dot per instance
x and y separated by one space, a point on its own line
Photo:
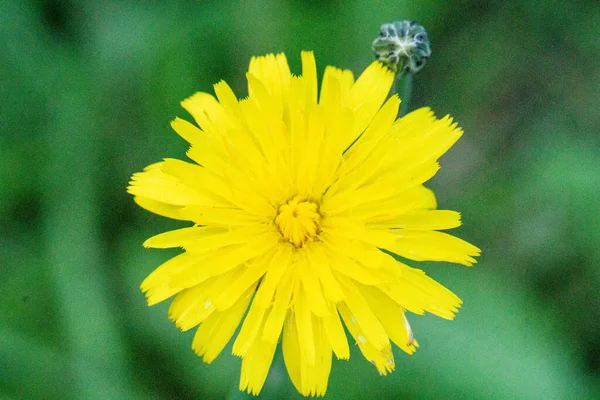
403 85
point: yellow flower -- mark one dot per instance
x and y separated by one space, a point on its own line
296 204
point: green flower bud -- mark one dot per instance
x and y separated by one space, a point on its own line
403 46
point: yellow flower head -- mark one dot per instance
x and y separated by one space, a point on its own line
294 195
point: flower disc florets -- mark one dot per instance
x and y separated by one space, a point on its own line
298 221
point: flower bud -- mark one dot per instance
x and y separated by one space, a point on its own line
402 46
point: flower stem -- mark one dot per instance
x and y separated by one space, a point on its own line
403 84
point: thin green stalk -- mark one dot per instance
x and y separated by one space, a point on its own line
403 83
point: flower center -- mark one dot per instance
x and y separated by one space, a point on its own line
298 221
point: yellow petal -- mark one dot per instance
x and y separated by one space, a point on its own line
418 293
220 261
315 377
322 265
274 322
352 269
220 237
309 376
362 313
181 237
391 316
414 198
309 73
278 266
158 208
157 287
336 334
156 185
193 305
311 286
432 246
365 254
209 114
382 358
250 330
227 98
290 346
255 366
421 220
246 278
304 326
368 94
216 331
361 150
274 72
187 130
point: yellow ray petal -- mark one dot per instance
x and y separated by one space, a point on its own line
315 377
274 322
322 265
221 237
257 121
309 378
209 115
227 99
292 357
250 330
368 94
336 334
338 124
260 96
274 72
418 293
379 190
428 139
156 185
193 305
311 286
255 366
181 237
322 359
157 286
363 315
331 91
415 198
391 316
162 209
421 220
304 326
310 160
215 190
225 217
220 261
247 277
432 246
279 265
363 253
377 129
188 131
352 269
216 331
381 358
309 73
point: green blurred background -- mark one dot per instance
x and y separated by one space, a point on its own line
87 93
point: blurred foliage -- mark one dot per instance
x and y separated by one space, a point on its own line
88 90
